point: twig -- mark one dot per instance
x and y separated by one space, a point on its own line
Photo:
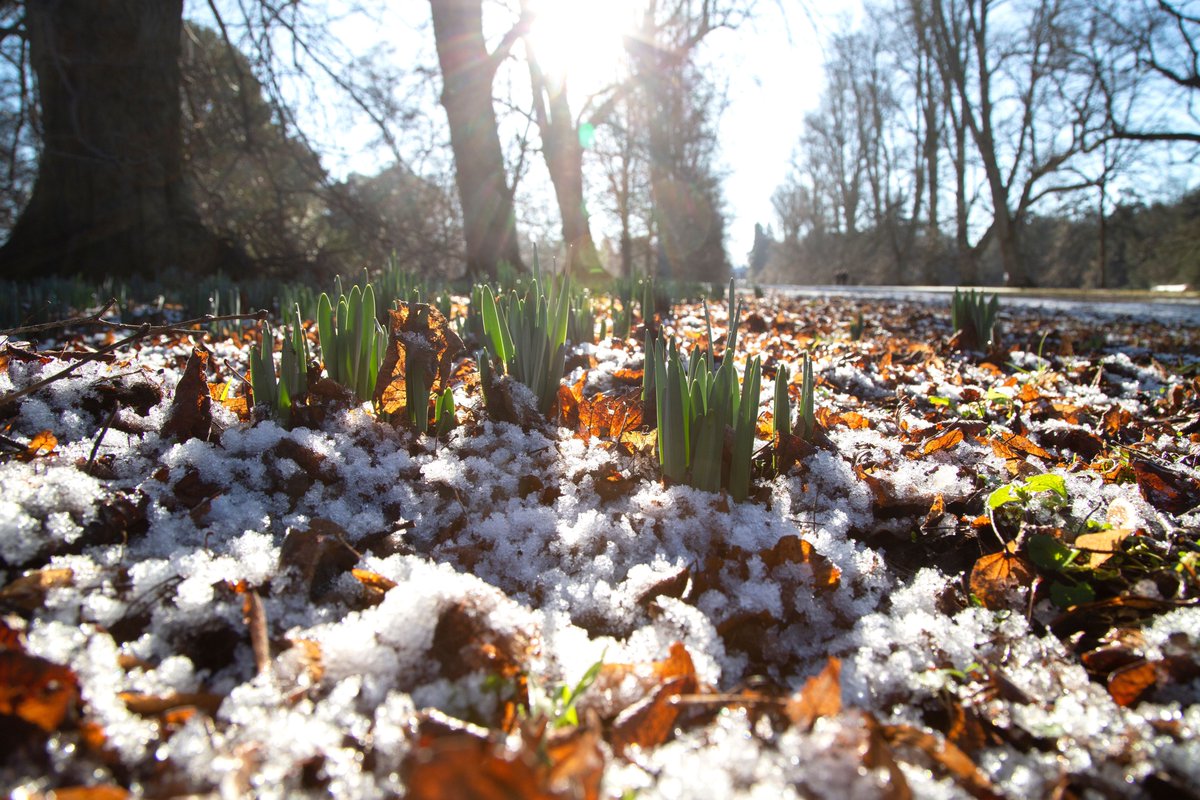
185 326
12 397
64 323
141 332
100 438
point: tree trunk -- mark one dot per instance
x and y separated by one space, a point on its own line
109 196
468 69
563 151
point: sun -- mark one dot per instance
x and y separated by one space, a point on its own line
582 41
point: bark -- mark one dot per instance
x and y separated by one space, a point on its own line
109 197
563 152
468 71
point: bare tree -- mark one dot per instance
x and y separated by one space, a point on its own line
109 195
468 71
1029 105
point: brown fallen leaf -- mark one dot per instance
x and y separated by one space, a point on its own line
946 756
190 415
943 441
37 691
1127 684
29 591
147 705
421 338
1168 490
791 549
650 721
821 696
994 577
375 586
98 792
1101 546
318 553
1015 446
39 446
255 616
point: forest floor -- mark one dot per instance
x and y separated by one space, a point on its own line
980 578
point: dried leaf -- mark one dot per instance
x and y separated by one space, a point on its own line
1101 546
38 691
1016 446
995 577
1167 490
791 549
255 616
420 335
465 641
471 768
1128 684
945 755
943 441
190 416
101 792
39 446
650 721
156 705
821 696
319 554
375 586
29 591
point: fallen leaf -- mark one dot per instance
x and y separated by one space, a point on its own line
1016 446
98 792
945 755
39 446
155 705
375 586
318 553
36 690
190 415
943 441
791 549
821 696
421 338
1129 683
995 577
1167 490
1101 546
650 721
29 591
466 640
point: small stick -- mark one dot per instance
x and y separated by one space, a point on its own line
141 332
100 438
64 323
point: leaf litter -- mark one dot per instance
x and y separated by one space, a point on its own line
978 579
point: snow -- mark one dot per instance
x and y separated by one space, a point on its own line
568 574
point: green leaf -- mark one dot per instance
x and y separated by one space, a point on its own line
1065 595
1048 552
1004 494
1047 483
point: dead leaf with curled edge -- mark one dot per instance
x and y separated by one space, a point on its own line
821 696
39 446
1017 446
451 760
946 756
190 416
424 338
943 441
